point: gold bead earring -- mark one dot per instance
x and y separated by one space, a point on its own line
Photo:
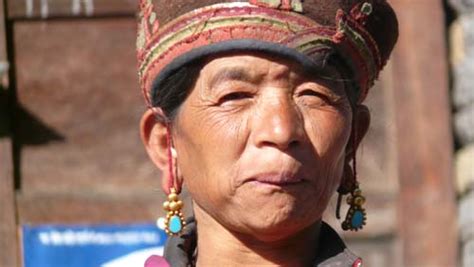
356 216
174 222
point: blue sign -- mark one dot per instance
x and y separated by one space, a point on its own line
91 246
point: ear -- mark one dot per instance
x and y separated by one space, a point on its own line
361 123
360 127
154 134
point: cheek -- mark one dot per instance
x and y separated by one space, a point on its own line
209 145
329 133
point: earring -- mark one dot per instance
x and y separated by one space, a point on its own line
356 216
174 222
347 185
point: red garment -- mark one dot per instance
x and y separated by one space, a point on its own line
156 261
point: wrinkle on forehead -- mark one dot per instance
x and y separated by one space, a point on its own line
232 73
240 68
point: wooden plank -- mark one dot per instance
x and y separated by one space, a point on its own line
427 209
8 236
3 49
41 9
79 116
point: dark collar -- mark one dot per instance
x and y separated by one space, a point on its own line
181 251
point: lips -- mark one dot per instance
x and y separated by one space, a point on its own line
278 179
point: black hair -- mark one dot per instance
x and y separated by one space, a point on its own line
176 88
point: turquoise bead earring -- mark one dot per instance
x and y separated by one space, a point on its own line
356 216
174 222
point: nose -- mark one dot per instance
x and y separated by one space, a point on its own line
278 123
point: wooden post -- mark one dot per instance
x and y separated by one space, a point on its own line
427 210
8 229
8 237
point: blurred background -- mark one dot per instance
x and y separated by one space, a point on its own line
70 152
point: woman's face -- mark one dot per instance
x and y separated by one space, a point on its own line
261 145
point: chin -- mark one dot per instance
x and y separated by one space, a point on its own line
271 225
279 231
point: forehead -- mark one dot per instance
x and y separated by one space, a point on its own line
255 64
260 65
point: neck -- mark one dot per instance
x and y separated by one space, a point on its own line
218 246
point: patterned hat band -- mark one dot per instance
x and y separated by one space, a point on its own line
241 26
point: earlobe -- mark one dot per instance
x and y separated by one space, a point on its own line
174 154
154 134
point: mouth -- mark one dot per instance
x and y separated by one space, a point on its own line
277 179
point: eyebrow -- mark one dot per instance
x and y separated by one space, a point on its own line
230 74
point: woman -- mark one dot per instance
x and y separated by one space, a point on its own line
256 106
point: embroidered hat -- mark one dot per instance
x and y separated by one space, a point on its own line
358 34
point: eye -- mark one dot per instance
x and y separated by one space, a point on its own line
309 92
235 96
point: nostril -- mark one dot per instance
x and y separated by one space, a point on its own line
294 143
281 145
